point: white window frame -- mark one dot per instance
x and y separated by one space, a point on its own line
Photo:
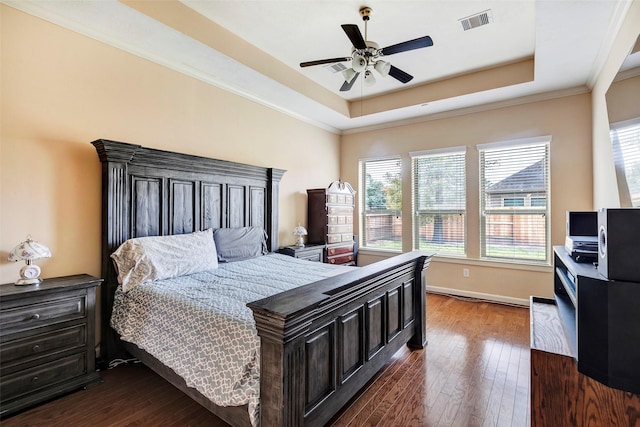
461 209
528 209
364 212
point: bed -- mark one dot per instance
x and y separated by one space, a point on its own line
319 343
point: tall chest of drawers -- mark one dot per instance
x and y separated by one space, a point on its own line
330 221
47 340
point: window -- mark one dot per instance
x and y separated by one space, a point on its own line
514 194
439 200
625 138
381 204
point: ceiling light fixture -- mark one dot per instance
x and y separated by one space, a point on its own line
359 63
349 74
369 80
382 67
366 55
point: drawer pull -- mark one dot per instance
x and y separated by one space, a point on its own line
36 348
34 379
35 316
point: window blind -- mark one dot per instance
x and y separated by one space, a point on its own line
514 200
439 201
625 139
381 204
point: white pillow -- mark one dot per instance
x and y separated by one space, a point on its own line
145 259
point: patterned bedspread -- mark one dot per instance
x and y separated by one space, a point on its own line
199 325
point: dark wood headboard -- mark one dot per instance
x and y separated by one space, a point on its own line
149 192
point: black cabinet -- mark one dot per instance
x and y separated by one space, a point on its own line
47 335
601 320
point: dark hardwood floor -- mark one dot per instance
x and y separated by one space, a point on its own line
474 372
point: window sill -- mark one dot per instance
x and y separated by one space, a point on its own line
543 268
379 252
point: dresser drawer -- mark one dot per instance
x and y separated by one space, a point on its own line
342 229
339 219
340 210
35 346
334 238
31 380
338 250
341 259
340 199
31 314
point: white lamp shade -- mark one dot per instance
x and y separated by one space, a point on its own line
349 74
299 231
359 63
382 67
29 250
369 80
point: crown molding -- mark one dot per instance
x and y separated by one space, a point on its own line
475 109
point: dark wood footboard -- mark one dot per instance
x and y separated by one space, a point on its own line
323 342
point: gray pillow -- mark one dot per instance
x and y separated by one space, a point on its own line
237 244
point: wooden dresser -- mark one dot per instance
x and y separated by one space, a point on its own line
330 221
47 336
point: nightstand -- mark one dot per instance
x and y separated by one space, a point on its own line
47 340
308 252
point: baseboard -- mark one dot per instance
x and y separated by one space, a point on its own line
479 296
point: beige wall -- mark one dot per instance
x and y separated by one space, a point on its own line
605 187
623 100
62 90
567 120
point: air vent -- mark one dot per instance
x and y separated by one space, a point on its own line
477 20
336 68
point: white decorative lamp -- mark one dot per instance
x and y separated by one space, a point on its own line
28 251
299 231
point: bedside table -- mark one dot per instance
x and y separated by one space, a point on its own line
308 252
47 337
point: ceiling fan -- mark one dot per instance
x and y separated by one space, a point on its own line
366 54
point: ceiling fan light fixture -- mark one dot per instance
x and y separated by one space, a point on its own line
359 63
349 74
382 67
369 79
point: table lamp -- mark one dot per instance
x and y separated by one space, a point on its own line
299 231
28 251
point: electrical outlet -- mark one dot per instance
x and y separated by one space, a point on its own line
465 272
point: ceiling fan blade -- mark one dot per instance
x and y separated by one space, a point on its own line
400 75
324 61
347 86
408 45
354 34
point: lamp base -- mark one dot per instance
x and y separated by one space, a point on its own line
29 275
25 282
300 242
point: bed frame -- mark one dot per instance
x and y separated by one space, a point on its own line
320 343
